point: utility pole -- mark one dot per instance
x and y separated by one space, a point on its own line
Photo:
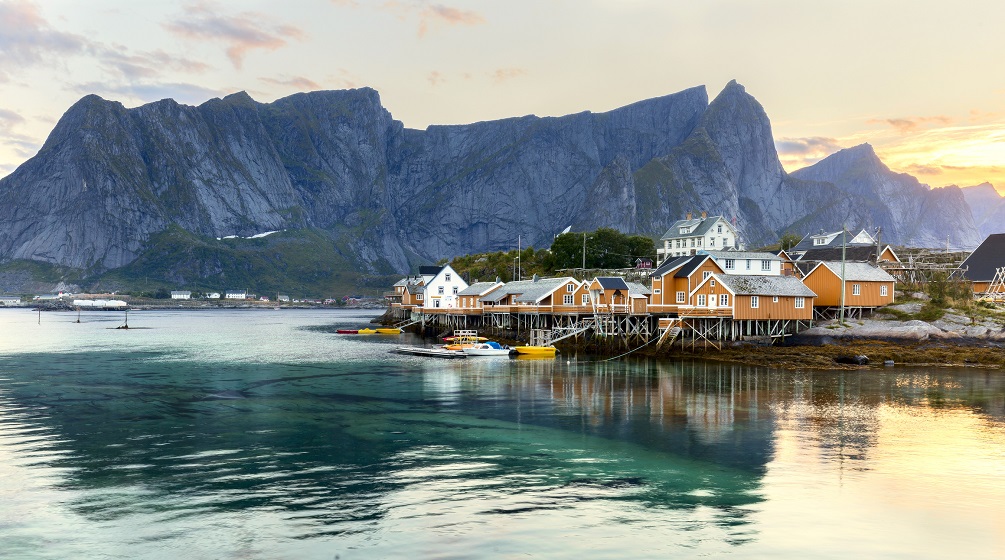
519 265
843 245
584 252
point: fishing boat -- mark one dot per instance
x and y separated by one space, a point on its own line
540 351
347 331
389 331
487 349
434 352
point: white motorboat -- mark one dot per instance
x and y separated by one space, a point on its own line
487 349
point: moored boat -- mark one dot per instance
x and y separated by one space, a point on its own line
389 331
435 352
347 331
487 349
366 331
541 351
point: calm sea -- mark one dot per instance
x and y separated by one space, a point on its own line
263 434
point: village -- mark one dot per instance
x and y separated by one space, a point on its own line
704 289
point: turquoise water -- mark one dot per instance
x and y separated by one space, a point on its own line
262 434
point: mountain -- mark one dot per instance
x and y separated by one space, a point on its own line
988 208
149 190
907 211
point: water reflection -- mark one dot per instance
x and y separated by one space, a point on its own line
524 454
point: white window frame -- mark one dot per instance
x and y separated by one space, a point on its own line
681 297
856 289
705 274
418 297
719 229
586 299
455 290
755 302
711 283
800 302
446 277
774 299
765 265
570 288
656 291
701 300
883 291
723 300
439 290
567 299
748 264
730 264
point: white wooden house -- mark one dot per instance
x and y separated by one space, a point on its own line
442 287
691 235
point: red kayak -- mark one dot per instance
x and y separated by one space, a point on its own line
347 331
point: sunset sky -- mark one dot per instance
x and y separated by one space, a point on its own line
920 80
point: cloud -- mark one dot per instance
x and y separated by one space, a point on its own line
9 119
189 94
26 38
432 15
910 124
241 33
146 65
298 82
503 74
23 145
796 153
919 169
435 78
346 3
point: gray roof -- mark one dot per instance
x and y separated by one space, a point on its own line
857 271
636 288
691 266
669 265
806 243
861 253
759 255
527 291
478 288
752 285
700 227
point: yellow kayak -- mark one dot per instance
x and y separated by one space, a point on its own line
543 351
366 331
388 331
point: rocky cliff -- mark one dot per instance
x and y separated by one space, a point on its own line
110 179
988 208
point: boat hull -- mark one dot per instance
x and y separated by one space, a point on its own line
542 351
389 331
347 331
430 352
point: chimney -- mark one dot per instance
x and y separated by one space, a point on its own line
704 215
688 216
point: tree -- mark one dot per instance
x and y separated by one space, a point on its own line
788 240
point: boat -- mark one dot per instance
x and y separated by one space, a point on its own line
366 331
466 338
541 351
434 352
487 349
463 339
389 331
347 331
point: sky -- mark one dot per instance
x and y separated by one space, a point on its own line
920 80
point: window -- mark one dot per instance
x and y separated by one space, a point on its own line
718 229
436 303
748 264
455 290
800 303
680 297
754 303
711 241
774 299
699 242
701 300
723 300
882 291
570 288
730 264
447 277
711 283
705 274
856 289
567 299
765 265
418 297
692 242
586 299
440 290
683 230
820 241
656 291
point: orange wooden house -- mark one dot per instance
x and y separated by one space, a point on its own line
866 286
751 298
469 299
674 280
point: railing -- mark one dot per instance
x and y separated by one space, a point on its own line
694 311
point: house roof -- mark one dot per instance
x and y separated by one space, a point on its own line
862 253
612 283
687 269
759 255
540 288
640 289
806 243
981 265
478 288
698 226
857 271
668 266
743 284
429 270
